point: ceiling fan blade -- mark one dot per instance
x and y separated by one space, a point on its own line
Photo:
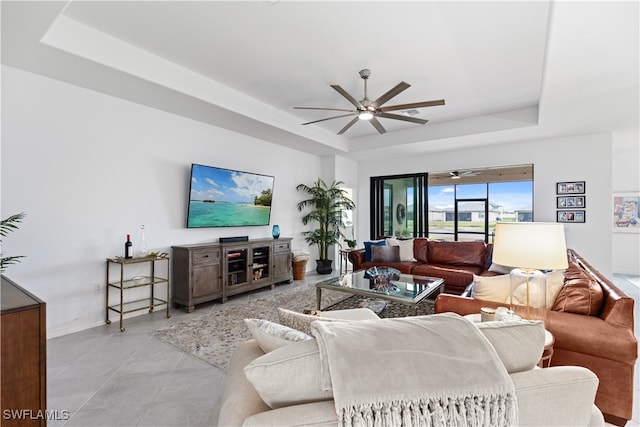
321 108
413 105
350 98
346 128
401 117
391 93
329 118
376 124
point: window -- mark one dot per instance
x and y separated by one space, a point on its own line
456 205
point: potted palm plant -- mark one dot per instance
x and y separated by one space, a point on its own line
326 204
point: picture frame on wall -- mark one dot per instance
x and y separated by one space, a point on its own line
626 212
570 202
571 187
577 216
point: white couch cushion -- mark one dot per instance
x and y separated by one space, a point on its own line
289 375
292 374
519 343
350 314
497 288
299 321
491 288
314 414
271 335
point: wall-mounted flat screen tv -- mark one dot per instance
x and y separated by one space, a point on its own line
228 198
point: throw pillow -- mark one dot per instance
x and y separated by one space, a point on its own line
270 335
497 288
368 245
406 248
491 288
535 299
555 281
289 375
553 285
299 321
519 343
580 293
500 269
385 254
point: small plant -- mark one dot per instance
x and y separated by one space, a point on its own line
7 226
350 243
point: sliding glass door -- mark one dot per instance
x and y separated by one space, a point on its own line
399 205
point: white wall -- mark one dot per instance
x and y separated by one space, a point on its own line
87 169
579 158
626 178
338 168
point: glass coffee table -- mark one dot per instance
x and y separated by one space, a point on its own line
408 289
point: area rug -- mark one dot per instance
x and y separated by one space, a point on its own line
213 337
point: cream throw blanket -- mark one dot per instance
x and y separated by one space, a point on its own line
436 370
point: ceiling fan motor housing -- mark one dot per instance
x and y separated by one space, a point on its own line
365 73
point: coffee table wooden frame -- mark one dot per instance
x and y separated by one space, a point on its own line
436 285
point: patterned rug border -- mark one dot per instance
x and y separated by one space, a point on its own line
212 337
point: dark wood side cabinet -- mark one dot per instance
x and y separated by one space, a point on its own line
210 271
24 357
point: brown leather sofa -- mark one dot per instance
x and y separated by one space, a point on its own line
455 262
603 342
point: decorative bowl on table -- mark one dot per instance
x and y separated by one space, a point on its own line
382 278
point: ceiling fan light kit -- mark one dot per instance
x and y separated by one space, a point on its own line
371 110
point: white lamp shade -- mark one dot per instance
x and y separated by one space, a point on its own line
530 245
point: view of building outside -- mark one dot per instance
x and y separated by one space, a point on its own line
504 201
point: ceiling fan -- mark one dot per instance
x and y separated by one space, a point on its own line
460 174
372 110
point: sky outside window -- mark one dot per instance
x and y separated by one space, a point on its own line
510 196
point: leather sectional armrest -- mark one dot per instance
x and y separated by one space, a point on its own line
447 303
356 257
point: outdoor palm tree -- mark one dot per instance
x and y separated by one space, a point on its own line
327 204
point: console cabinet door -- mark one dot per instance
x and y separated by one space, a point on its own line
282 261
205 279
261 265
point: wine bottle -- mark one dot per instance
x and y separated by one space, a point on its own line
128 248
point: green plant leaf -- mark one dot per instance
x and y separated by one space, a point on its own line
8 225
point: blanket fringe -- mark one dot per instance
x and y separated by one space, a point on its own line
489 410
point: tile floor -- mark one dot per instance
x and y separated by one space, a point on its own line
103 377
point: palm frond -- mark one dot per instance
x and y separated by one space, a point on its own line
6 261
10 224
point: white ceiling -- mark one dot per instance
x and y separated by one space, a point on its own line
508 70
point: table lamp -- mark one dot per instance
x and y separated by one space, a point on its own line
529 247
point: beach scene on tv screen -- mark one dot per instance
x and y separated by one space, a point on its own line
227 198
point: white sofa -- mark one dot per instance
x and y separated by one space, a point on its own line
559 396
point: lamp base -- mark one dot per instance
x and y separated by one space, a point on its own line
528 294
